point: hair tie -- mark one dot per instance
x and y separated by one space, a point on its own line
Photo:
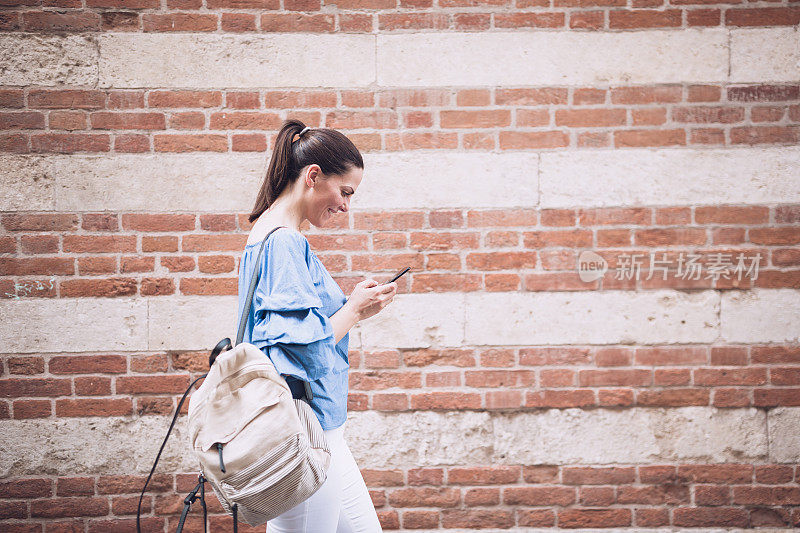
301 133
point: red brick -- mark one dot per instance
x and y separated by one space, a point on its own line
708 114
190 143
641 18
75 486
488 518
68 507
561 496
33 387
558 217
560 398
128 121
776 397
673 397
179 22
425 497
730 376
184 99
519 140
27 120
67 143
247 120
132 143
775 236
762 16
13 510
573 518
152 384
238 22
124 484
94 407
67 120
87 364
764 93
710 516
26 488
32 409
243 4
666 355
590 118
66 99
446 401
92 386
765 134
483 475
775 354
297 22
12 98
25 365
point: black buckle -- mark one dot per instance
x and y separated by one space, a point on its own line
222 346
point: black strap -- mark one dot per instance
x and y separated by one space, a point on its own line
190 499
158 456
225 344
252 289
306 392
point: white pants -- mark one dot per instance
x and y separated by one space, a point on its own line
341 505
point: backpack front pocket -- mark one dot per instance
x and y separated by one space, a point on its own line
278 480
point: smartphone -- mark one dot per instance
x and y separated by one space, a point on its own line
406 269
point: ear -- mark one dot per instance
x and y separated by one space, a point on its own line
312 174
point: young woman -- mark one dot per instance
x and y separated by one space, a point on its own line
301 318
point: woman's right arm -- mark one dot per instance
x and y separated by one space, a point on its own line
342 321
368 298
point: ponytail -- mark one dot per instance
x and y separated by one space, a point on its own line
331 150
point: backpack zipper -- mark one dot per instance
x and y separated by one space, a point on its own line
221 464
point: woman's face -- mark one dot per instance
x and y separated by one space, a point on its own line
332 195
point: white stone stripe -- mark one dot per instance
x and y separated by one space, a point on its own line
635 177
236 61
427 320
525 58
441 58
773 315
48 60
765 54
34 325
206 182
682 435
607 317
552 58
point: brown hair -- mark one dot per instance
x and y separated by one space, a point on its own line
331 150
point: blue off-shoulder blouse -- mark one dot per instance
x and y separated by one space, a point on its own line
290 319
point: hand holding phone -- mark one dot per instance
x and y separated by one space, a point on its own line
395 278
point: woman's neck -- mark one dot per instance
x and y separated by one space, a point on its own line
281 214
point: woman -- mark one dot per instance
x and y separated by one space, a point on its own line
301 318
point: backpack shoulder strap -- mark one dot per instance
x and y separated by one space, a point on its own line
252 288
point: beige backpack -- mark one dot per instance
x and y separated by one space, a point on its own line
262 451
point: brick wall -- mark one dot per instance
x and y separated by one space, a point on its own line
500 390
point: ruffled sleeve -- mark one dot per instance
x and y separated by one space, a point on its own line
289 325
